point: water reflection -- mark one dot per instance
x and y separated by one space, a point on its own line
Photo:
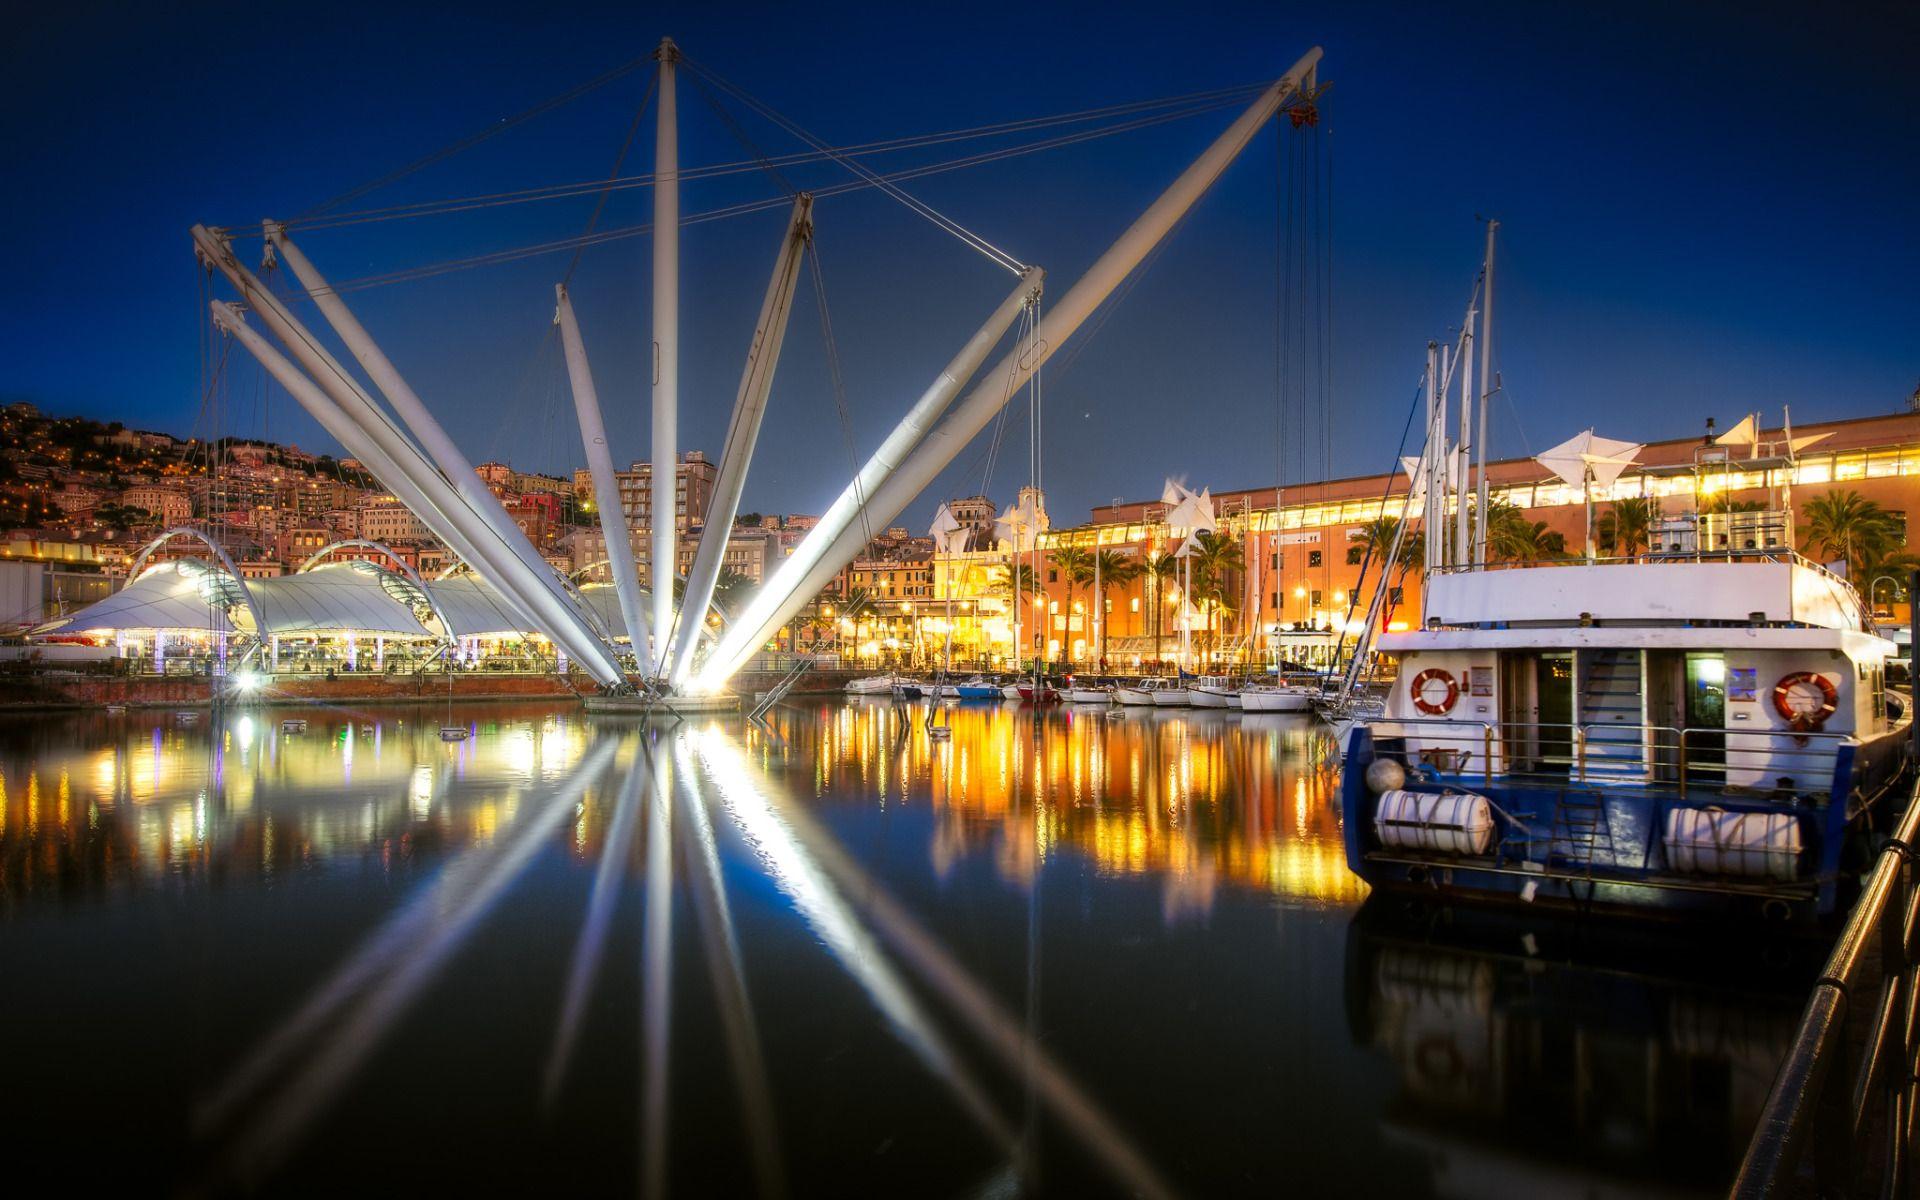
1542 1060
1065 951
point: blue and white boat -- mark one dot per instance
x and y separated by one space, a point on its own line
979 688
1680 732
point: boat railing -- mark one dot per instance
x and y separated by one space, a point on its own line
1776 554
1841 1118
1755 763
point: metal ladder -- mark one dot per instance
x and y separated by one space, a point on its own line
1580 827
778 691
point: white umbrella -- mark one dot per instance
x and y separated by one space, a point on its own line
1587 458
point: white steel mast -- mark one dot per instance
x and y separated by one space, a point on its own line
1463 363
1486 399
666 350
749 406
972 414
606 485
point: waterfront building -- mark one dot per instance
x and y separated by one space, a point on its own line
1295 591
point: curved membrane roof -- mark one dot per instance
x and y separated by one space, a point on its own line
356 596
183 594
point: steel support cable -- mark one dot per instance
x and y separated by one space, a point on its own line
619 160
494 258
941 220
839 384
474 139
1219 97
758 156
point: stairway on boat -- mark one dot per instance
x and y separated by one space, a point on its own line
1610 713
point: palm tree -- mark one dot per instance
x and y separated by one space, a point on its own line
1719 502
1852 528
1376 539
1114 570
1530 541
1217 560
1016 583
1160 568
1513 538
1627 527
1076 567
729 588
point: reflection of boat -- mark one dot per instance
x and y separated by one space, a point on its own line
1681 733
453 733
1536 1058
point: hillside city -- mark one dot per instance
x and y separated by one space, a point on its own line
87 496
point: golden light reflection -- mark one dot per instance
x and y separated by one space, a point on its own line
92 804
1204 800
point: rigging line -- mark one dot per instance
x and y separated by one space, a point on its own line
993 253
739 133
474 139
619 160
1000 422
839 385
1208 100
1393 475
410 274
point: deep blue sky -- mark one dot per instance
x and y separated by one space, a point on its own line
1706 209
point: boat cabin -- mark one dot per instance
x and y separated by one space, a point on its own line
1739 674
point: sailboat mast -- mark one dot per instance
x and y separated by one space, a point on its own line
1486 398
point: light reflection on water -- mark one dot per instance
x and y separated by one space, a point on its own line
1063 951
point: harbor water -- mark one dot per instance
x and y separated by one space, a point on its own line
1063 951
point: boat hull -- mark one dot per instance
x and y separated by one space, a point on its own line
1209 698
1090 695
1606 847
1276 702
1134 697
1171 698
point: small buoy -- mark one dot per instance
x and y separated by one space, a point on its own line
453 733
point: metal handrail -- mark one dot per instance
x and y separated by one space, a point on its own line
1686 764
1818 1105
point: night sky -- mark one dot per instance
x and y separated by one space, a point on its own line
1705 210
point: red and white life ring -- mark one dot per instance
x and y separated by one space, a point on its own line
1442 706
1802 718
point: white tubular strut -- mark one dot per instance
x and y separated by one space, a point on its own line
749 406
940 446
453 464
485 546
606 485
